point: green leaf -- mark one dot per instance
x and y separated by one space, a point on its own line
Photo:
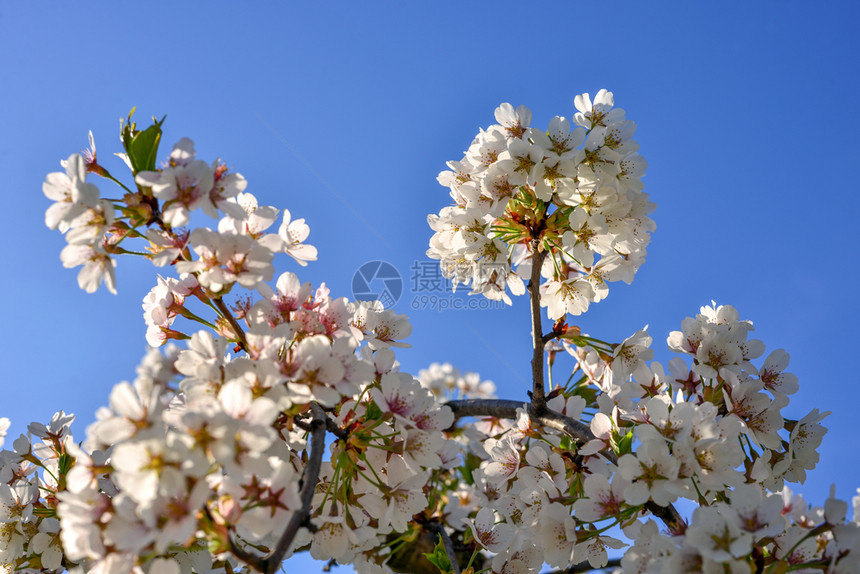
587 393
472 462
143 150
625 445
566 443
141 146
373 412
439 557
127 129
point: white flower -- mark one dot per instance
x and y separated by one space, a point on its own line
47 543
400 498
485 149
600 499
317 370
494 537
651 472
72 194
271 500
629 357
223 193
89 228
151 467
290 239
568 296
97 266
715 532
559 142
165 246
335 539
183 185
227 259
514 121
505 459
760 513
254 221
595 549
383 328
598 113
556 534
773 376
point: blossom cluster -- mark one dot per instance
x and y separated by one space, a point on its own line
446 382
83 217
214 457
572 192
238 252
712 433
199 459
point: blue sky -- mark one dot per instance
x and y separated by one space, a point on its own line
344 113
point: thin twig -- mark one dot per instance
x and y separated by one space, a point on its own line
549 337
449 547
271 562
234 324
538 387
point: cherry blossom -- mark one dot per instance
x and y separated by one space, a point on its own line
282 421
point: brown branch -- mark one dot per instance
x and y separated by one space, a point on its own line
271 562
579 432
330 426
237 329
669 515
506 409
538 388
449 547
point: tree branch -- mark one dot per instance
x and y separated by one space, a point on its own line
271 562
506 409
538 388
330 426
669 515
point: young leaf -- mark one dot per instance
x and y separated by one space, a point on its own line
373 412
141 146
439 557
143 150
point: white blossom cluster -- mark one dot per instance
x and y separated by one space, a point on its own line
214 459
712 433
446 382
201 454
573 191
83 218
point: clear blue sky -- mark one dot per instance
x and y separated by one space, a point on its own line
344 113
